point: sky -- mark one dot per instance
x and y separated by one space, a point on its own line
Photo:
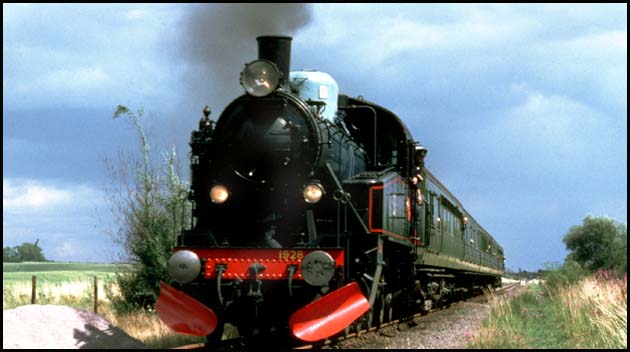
523 107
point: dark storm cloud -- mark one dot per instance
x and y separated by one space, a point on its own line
523 107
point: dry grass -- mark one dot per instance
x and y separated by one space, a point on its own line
589 314
144 326
499 330
147 327
78 294
598 306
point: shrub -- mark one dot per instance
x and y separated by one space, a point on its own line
557 277
149 209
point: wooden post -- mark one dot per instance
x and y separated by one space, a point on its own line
34 290
95 294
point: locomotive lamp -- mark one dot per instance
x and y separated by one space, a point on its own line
219 194
260 78
313 193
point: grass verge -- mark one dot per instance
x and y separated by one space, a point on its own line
591 313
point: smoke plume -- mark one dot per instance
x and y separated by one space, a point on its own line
218 39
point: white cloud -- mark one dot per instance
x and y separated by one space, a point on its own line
554 130
605 58
552 117
76 79
396 29
85 56
13 12
135 14
33 196
68 82
614 41
68 219
66 249
590 53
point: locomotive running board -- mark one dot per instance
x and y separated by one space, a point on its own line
183 313
329 314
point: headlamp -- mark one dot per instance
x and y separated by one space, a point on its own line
313 193
184 266
260 78
219 194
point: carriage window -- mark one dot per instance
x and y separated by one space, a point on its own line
484 243
435 207
452 222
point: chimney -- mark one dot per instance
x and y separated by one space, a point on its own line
276 49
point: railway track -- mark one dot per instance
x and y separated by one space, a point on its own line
241 343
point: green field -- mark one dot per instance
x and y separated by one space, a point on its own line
60 266
57 283
54 272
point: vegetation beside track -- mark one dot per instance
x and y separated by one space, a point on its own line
72 284
590 313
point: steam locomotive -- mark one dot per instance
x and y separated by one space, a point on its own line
313 213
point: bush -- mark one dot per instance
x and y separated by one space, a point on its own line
148 207
557 277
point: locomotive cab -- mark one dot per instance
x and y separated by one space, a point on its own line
382 134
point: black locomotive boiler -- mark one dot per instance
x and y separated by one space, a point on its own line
312 212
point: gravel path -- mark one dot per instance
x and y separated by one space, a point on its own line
445 329
61 327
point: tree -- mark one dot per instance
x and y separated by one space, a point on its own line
26 252
30 252
599 243
10 255
147 205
